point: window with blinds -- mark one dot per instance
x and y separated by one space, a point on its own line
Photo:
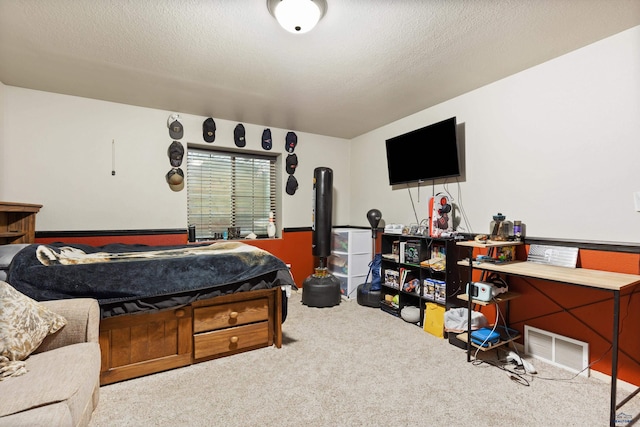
228 189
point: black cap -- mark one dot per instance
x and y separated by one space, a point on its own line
266 139
291 140
209 130
292 185
175 153
238 135
292 163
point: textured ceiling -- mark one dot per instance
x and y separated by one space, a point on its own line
366 64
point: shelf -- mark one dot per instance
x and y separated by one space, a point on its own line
412 294
484 265
391 257
12 233
409 265
421 249
506 296
434 274
19 207
395 288
488 243
435 301
388 308
464 338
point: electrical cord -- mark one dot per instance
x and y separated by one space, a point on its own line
486 340
460 206
413 206
520 377
513 374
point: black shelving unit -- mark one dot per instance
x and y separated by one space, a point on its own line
422 283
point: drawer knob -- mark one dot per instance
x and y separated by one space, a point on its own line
233 315
233 340
180 313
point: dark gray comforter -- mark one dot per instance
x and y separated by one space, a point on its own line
127 278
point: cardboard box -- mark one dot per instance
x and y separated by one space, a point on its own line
428 289
392 279
441 291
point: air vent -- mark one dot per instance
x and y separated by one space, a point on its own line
558 350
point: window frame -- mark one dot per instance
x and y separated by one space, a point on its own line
203 209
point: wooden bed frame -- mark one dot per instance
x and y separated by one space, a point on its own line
134 345
140 344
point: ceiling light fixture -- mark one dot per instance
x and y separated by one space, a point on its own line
297 16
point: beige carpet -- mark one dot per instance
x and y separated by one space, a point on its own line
354 366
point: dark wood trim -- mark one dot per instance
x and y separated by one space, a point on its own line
629 247
626 247
300 229
296 229
147 232
98 233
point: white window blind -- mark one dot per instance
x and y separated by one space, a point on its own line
228 189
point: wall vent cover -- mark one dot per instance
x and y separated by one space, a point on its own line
557 350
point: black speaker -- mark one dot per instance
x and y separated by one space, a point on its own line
322 208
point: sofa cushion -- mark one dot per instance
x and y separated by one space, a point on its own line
55 415
69 374
24 323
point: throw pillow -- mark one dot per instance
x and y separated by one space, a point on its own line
24 323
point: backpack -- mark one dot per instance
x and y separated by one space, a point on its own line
374 271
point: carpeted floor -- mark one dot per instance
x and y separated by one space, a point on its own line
355 366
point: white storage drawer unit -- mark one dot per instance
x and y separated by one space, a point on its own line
351 253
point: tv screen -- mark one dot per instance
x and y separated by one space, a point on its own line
424 154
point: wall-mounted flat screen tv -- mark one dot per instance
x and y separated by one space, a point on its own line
424 154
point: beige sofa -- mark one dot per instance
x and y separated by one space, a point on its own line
61 386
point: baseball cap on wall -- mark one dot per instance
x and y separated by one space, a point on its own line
291 140
266 139
292 185
176 131
292 163
209 130
239 135
175 179
175 153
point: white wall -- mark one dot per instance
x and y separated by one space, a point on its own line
2 175
556 146
58 153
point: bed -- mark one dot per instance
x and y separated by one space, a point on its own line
163 307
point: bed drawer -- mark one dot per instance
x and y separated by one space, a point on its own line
234 339
228 315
